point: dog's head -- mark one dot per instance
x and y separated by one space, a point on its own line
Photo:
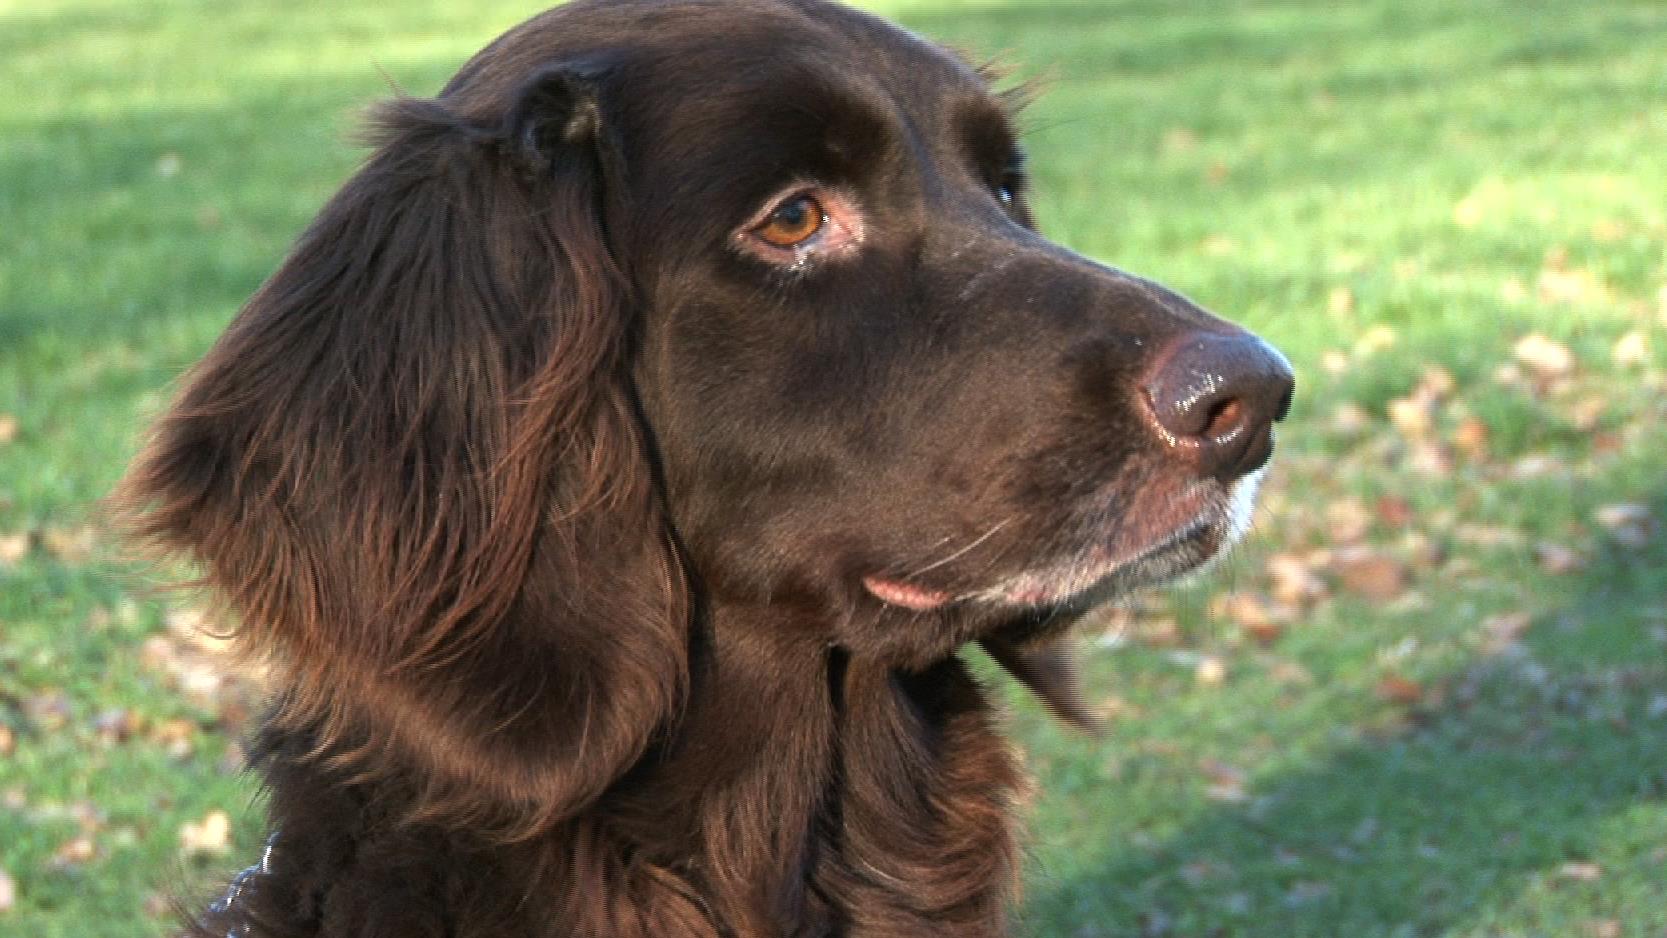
662 307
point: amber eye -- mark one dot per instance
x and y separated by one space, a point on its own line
794 223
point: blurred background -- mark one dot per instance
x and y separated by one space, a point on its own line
1428 698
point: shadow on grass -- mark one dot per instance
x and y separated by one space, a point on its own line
1528 764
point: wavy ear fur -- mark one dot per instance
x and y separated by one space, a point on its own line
412 467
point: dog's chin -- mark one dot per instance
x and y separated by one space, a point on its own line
1206 527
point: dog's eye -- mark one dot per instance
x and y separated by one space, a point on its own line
1011 185
793 223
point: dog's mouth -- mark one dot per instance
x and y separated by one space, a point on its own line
1182 537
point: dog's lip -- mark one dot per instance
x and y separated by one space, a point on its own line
1166 557
894 592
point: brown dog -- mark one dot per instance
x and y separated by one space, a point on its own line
618 463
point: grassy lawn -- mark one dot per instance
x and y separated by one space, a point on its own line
1429 697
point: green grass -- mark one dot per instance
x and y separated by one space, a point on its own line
1377 187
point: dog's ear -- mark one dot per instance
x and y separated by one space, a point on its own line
412 466
1049 668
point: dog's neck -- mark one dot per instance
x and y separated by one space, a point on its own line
799 785
829 782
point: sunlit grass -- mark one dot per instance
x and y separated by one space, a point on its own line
1377 187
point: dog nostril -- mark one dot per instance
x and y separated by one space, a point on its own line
1223 419
1214 398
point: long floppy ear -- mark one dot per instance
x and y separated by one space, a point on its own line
412 466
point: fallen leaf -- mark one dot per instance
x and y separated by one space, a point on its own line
1558 559
1631 350
1350 419
1504 630
1587 413
77 851
1252 614
1180 140
1603 928
1211 671
1226 783
1348 521
1581 872
1631 525
1218 245
1294 580
14 547
1570 287
1393 511
1401 690
1470 437
1413 416
1374 340
1429 458
8 740
116 725
210 836
1543 356
70 545
1467 212
8 429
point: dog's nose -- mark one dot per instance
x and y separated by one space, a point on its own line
1215 398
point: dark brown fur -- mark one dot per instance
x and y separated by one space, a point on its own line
553 504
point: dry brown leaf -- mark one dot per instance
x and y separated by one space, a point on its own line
1467 212
1631 525
1375 340
1603 928
1348 521
1180 140
77 851
1402 690
16 546
1255 617
117 725
1350 419
1218 245
8 741
210 836
1294 580
1581 872
1226 783
1162 632
1546 358
1370 573
1470 437
1631 350
1430 458
1588 412
1504 630
8 429
1210 671
1413 416
1571 286
1558 559
70 545
1393 511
